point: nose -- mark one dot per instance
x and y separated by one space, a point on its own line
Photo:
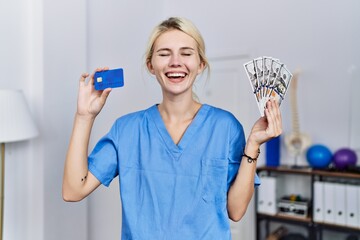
175 60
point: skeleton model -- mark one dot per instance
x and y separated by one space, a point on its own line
296 142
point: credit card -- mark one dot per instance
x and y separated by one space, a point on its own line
109 79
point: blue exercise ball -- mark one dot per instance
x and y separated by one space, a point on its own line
318 156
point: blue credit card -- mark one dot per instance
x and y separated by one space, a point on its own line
109 79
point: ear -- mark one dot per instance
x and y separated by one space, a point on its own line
201 67
150 67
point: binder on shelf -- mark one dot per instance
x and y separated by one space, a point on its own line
329 202
266 202
318 201
340 206
358 199
352 206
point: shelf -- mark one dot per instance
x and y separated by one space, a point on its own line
325 173
315 229
285 218
310 171
337 227
286 169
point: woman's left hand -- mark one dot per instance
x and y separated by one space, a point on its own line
267 127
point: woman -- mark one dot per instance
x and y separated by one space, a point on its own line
184 167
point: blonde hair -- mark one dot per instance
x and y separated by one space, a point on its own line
180 24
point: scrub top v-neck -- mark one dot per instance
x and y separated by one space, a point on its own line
171 191
187 137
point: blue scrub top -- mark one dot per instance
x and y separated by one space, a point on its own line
172 191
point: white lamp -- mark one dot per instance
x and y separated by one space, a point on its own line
16 124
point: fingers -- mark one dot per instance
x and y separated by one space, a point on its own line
83 78
91 80
105 94
274 119
99 69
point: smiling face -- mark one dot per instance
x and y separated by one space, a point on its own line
175 62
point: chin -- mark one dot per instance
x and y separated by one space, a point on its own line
178 87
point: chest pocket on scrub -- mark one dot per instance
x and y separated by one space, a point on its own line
214 178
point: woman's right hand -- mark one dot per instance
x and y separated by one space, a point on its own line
78 181
90 101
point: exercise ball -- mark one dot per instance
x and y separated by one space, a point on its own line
344 157
318 156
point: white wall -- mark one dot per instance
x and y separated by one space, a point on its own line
42 43
45 45
20 39
65 58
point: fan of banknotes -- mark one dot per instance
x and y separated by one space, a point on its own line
269 78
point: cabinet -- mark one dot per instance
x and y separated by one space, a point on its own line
333 197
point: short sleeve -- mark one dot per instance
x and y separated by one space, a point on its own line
103 162
237 146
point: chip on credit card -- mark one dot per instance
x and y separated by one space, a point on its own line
109 79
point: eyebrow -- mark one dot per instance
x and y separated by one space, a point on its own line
168 49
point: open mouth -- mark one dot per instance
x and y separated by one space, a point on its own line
175 75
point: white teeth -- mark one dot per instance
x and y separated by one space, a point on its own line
175 75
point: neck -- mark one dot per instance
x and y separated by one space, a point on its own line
178 110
